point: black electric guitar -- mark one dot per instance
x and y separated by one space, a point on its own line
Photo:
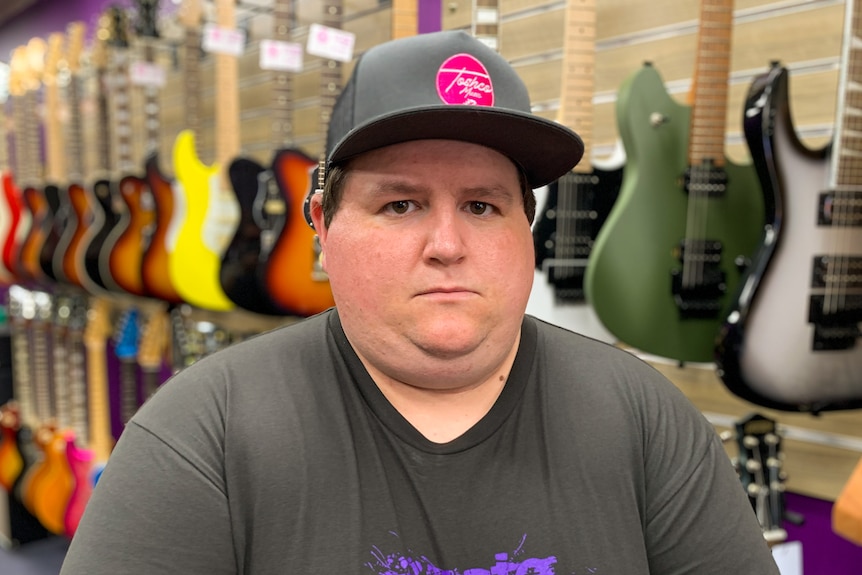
792 339
261 194
578 203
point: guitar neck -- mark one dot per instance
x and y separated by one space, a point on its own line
330 75
152 113
191 76
710 83
99 413
103 118
73 141
121 124
4 146
847 143
22 371
227 144
578 79
284 15
77 382
128 388
40 367
55 155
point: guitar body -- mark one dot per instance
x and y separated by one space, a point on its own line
104 220
11 231
767 352
127 250
11 461
629 276
58 214
54 487
243 266
290 272
82 219
81 466
155 269
30 250
195 260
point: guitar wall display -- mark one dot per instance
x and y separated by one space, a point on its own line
669 257
576 205
791 340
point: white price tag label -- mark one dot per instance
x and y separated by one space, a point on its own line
218 40
330 43
147 74
4 82
281 56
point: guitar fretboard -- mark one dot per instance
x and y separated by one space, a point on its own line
73 141
578 80
284 15
847 151
191 74
330 74
710 84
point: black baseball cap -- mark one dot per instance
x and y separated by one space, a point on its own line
446 85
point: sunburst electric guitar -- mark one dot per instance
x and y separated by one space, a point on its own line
668 259
211 210
792 339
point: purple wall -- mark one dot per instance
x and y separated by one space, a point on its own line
430 16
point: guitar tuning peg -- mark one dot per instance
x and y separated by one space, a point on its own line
752 465
726 436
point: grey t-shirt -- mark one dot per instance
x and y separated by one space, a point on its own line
280 455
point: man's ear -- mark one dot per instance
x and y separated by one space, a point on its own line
315 212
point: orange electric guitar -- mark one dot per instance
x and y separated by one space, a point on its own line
211 210
82 211
294 277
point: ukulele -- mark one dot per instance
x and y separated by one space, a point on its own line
59 210
155 269
670 255
791 339
294 277
211 211
578 203
262 194
82 210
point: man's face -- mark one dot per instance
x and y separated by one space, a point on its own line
430 259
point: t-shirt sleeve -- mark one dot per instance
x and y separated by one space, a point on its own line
160 505
699 519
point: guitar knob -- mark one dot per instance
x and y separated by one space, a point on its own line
656 119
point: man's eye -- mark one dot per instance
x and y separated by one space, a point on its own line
479 208
399 207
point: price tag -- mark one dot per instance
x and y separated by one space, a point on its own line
330 43
4 82
147 74
218 40
281 56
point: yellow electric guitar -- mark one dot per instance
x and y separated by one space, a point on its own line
211 209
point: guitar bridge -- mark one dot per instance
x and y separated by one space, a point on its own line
835 304
699 285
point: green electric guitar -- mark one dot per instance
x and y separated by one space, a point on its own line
666 262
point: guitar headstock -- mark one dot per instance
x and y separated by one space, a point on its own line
118 27
18 71
35 53
98 328
154 340
760 467
126 337
146 24
75 33
191 13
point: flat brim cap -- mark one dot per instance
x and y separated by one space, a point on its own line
446 85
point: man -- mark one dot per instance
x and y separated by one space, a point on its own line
424 425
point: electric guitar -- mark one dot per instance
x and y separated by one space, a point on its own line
20 221
30 149
10 206
577 204
11 460
55 162
78 455
211 210
107 206
82 212
261 193
169 215
126 340
294 277
670 255
792 339
153 349
126 257
96 334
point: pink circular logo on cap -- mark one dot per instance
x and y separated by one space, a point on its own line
462 79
